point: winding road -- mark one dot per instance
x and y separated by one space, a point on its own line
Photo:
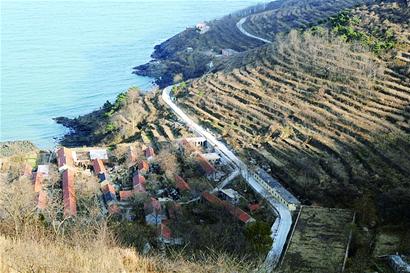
239 25
283 222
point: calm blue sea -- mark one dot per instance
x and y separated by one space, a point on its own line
66 58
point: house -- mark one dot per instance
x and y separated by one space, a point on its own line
207 168
138 179
276 189
64 158
202 27
254 207
197 141
212 198
98 154
108 187
165 236
113 209
226 52
125 195
139 188
44 169
153 212
149 153
70 206
98 166
230 195
181 184
235 211
213 158
143 167
38 181
42 200
102 177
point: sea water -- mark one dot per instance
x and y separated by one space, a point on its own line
66 58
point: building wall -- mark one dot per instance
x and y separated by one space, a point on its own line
273 191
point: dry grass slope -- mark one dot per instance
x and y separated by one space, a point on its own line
331 119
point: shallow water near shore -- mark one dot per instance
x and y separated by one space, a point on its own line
66 58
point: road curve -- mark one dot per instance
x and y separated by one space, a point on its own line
239 25
283 222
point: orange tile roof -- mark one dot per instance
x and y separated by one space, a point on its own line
70 206
138 179
38 181
181 183
235 211
124 195
211 198
42 200
64 157
98 166
143 166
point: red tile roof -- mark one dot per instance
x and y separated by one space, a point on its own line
149 152
113 209
207 167
235 211
166 232
143 166
181 183
70 207
98 166
64 157
139 188
42 200
108 188
138 179
254 207
124 195
38 181
211 198
153 206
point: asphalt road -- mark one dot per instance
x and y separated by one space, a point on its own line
283 222
239 25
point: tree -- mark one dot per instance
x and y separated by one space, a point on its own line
258 234
17 204
168 162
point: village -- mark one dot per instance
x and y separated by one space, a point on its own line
170 188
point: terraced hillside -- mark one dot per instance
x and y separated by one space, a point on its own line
295 14
331 119
133 116
189 53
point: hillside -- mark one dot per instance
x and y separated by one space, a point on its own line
325 107
189 54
